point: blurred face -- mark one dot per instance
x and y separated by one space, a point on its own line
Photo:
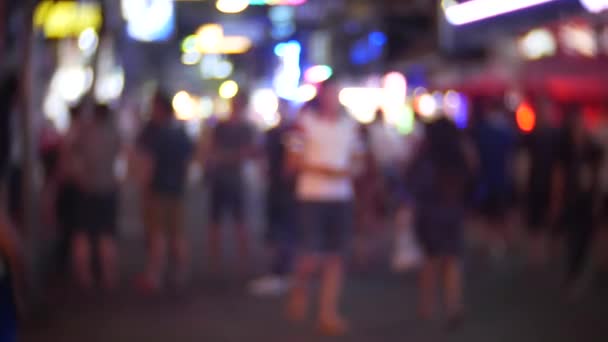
328 99
161 111
239 107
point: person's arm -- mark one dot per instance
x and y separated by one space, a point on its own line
141 162
11 247
471 156
205 145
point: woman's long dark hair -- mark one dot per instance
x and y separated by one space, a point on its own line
445 152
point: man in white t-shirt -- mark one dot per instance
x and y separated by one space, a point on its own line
322 153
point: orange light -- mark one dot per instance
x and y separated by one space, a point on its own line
526 117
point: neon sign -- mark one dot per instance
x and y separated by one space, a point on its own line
476 10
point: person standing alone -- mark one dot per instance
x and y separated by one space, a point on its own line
96 149
231 145
323 160
165 151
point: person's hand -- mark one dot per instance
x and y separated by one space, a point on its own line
327 171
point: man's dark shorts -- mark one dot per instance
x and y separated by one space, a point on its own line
325 225
495 204
280 215
98 213
227 197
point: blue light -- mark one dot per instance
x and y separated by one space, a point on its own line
149 21
287 77
363 52
377 38
461 116
290 47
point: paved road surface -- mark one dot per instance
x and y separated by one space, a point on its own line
506 302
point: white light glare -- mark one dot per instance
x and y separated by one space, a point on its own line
231 6
427 106
148 20
579 39
362 103
71 83
477 10
305 93
109 86
228 89
265 102
537 44
191 58
184 106
88 41
595 6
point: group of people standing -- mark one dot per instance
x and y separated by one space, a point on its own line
326 178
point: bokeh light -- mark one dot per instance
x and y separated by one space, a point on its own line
426 106
149 20
184 106
71 83
305 93
318 74
189 44
362 103
228 89
191 58
88 41
525 117
264 102
395 91
406 120
205 107
231 6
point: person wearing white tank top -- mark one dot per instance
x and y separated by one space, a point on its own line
322 153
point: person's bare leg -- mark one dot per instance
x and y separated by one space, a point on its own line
242 237
499 243
109 262
181 253
332 280
298 298
215 247
452 286
538 249
157 256
81 260
427 285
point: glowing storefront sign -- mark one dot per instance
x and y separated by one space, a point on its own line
276 2
476 10
287 79
595 6
67 18
149 20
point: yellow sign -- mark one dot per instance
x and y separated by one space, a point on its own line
65 19
210 39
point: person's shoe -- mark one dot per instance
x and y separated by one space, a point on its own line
334 327
269 286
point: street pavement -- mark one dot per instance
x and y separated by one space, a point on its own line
506 301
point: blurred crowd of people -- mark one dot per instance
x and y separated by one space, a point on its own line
332 184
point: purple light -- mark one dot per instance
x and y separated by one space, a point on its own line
476 10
